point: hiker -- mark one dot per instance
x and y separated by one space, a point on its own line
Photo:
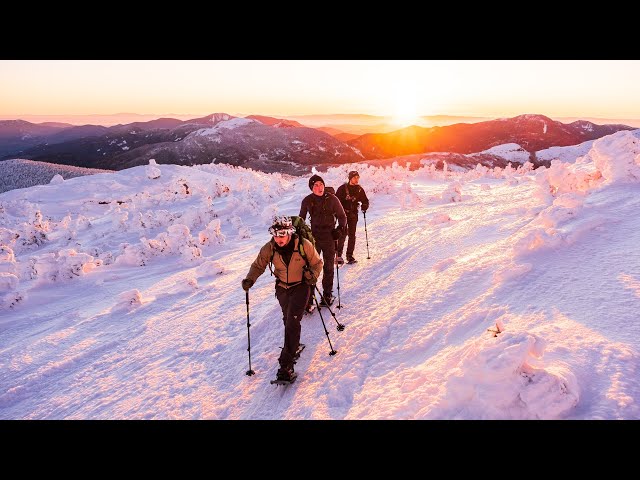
295 276
323 209
351 195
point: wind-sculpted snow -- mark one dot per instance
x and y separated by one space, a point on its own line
617 157
506 377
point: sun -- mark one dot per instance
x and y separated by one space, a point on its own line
405 106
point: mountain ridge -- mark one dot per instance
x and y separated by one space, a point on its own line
260 142
530 131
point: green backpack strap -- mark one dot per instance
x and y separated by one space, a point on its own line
301 252
273 252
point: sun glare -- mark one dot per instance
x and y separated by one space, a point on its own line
405 106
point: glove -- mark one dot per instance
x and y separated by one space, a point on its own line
310 278
247 283
364 209
336 233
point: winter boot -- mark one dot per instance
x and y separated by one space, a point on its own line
311 306
327 300
285 374
351 260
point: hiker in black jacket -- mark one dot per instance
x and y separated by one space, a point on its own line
351 195
324 208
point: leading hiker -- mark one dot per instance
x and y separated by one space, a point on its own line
351 195
295 276
324 208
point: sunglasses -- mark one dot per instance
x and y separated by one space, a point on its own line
281 232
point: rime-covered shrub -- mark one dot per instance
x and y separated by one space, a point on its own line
57 179
152 171
34 232
177 240
617 157
8 281
63 265
453 193
212 234
210 268
129 299
7 260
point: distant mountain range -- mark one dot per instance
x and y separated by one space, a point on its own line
532 132
263 143
16 135
107 120
274 144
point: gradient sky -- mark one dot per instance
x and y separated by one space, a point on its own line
595 88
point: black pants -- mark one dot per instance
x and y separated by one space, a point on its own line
326 246
352 223
292 301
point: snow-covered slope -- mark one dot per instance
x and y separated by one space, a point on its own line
565 154
21 173
571 153
509 151
121 295
226 124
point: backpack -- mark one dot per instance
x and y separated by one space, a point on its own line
303 231
350 200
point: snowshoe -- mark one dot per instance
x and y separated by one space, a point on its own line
284 382
285 376
351 261
327 301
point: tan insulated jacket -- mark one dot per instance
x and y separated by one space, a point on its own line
291 275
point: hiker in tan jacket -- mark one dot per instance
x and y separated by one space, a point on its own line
295 274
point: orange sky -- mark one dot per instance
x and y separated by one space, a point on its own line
402 89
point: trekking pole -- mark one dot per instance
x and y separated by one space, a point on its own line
326 332
338 277
249 372
365 233
340 326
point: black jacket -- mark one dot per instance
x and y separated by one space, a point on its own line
323 212
350 196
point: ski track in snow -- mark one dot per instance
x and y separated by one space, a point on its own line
562 280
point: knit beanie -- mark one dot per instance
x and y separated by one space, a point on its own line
314 179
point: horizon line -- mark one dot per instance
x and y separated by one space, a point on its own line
165 115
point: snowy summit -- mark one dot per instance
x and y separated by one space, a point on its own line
489 294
